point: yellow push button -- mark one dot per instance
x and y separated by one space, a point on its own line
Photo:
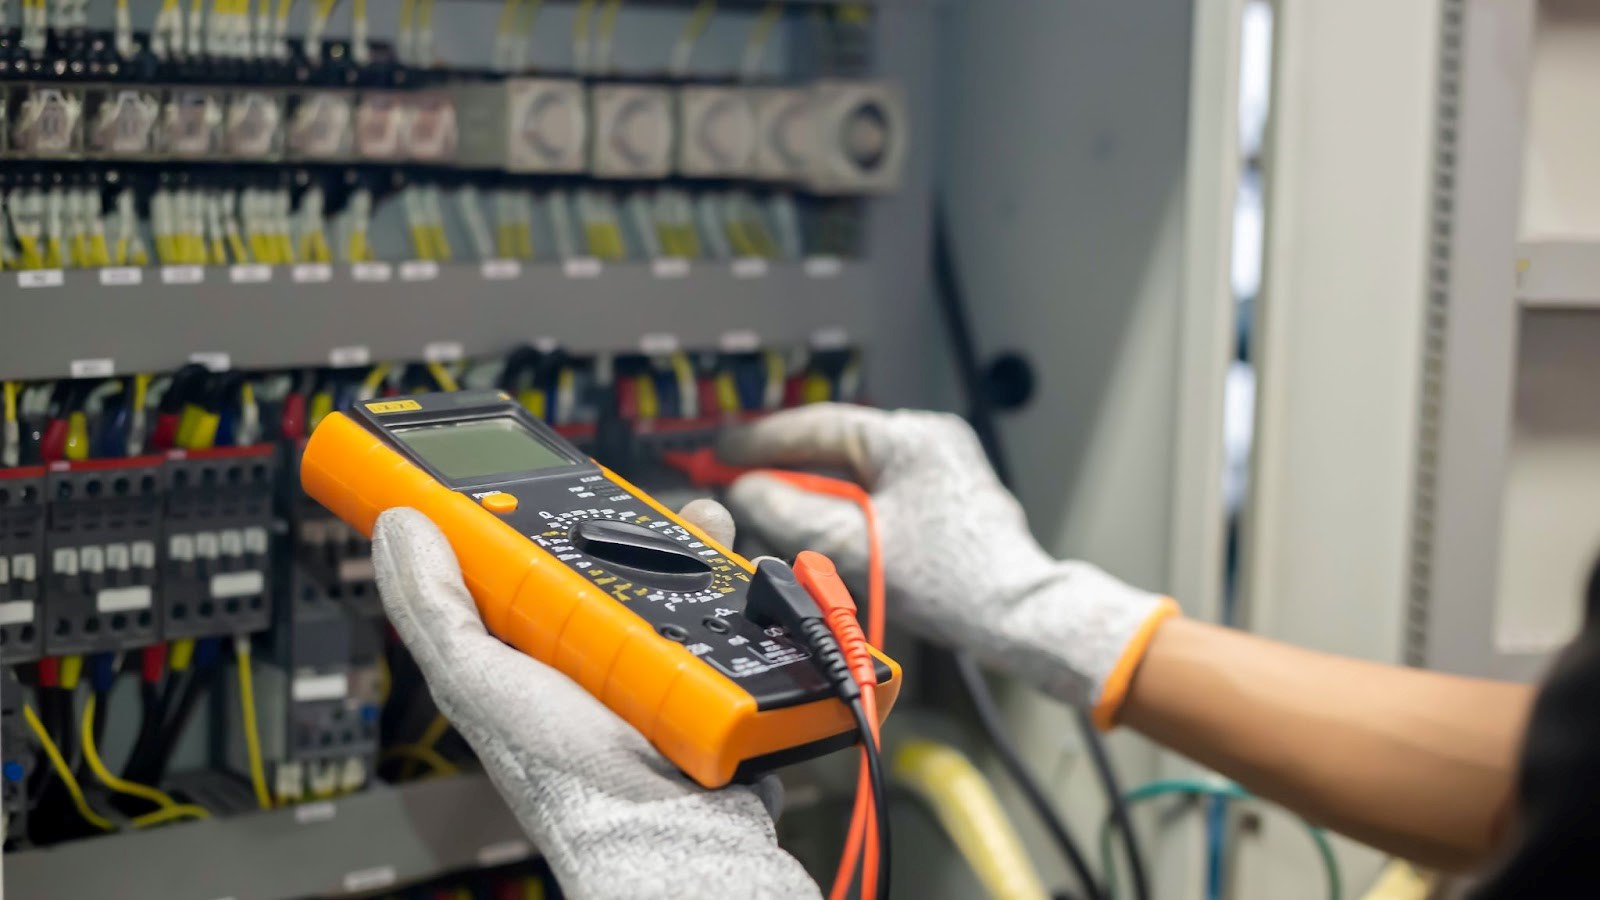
500 504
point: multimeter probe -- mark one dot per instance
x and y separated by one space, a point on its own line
581 570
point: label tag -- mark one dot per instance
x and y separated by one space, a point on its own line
443 351
823 266
40 278
313 813
739 341
500 269
123 599
349 357
121 276
498 854
216 362
183 274
253 273
670 267
830 339
93 368
16 612
311 273
369 879
419 270
371 271
656 344
581 267
750 267
308 688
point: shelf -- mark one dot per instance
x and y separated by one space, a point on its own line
1559 274
355 845
118 321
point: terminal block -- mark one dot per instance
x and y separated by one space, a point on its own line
18 764
103 524
22 512
216 566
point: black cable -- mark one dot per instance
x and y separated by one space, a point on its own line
980 413
1118 807
198 685
1011 759
880 797
150 714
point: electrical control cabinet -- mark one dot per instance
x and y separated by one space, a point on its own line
234 226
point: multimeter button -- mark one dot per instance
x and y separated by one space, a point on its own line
717 625
675 632
500 504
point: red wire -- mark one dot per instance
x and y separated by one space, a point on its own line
861 842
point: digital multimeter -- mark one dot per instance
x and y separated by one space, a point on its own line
586 573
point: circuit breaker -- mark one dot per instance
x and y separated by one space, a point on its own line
18 761
22 528
216 573
523 125
103 525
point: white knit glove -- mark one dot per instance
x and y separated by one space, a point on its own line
960 565
612 816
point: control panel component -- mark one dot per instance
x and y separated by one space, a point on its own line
18 764
581 570
321 126
428 126
524 125
22 525
216 576
633 134
716 132
783 133
100 559
859 134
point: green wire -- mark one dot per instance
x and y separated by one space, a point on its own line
1229 791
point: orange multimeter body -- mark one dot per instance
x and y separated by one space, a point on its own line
584 572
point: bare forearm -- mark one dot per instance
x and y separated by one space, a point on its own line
1415 763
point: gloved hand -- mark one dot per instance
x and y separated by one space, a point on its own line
960 566
612 816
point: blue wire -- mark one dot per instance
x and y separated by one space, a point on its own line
1216 840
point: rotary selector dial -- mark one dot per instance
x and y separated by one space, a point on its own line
638 557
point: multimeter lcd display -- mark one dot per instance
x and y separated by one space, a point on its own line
480 447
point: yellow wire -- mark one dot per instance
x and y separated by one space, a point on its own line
776 370
71 671
252 736
369 384
508 17
429 758
64 772
91 755
167 814
321 406
425 13
182 654
442 377
580 21
649 401
727 393
815 389
684 371
435 730
530 17
608 19
698 20
11 400
533 400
